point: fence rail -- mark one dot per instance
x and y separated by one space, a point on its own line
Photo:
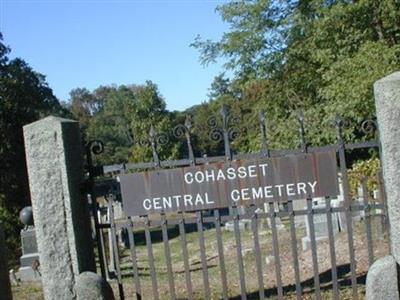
262 280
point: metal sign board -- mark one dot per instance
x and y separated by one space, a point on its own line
219 185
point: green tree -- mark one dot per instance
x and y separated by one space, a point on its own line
124 122
24 98
317 56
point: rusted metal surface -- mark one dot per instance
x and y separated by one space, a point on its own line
223 184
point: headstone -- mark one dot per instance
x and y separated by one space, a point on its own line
278 220
55 167
118 213
341 216
279 224
320 225
13 277
269 259
299 205
377 199
5 286
29 258
359 214
339 202
380 227
244 224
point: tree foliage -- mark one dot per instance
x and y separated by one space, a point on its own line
317 56
24 98
121 117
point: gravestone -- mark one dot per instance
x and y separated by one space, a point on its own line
377 200
359 214
320 225
278 221
339 202
341 216
29 261
29 258
244 224
299 205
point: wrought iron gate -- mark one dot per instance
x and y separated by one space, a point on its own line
194 251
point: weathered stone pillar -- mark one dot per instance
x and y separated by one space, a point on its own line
5 287
387 100
55 167
382 279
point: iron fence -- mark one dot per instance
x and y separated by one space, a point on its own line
139 231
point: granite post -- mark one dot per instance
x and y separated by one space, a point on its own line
5 286
55 167
387 102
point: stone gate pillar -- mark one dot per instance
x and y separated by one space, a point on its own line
55 167
382 279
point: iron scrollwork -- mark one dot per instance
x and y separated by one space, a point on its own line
225 129
185 130
154 140
368 127
95 146
300 118
263 128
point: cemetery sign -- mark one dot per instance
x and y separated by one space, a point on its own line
240 182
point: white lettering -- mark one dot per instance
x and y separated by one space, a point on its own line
167 201
199 199
199 176
263 168
156 203
210 174
290 191
301 186
177 199
268 192
242 172
312 186
279 187
252 171
207 200
245 194
148 206
221 175
237 197
187 199
257 193
189 178
231 173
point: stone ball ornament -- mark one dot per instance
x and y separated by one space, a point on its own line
26 216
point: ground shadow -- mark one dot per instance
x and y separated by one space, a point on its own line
325 278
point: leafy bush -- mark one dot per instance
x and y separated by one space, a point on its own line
367 169
11 226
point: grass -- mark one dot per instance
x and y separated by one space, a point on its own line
28 291
250 269
33 291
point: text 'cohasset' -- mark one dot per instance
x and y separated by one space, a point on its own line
228 174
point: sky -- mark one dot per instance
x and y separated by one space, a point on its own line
89 43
